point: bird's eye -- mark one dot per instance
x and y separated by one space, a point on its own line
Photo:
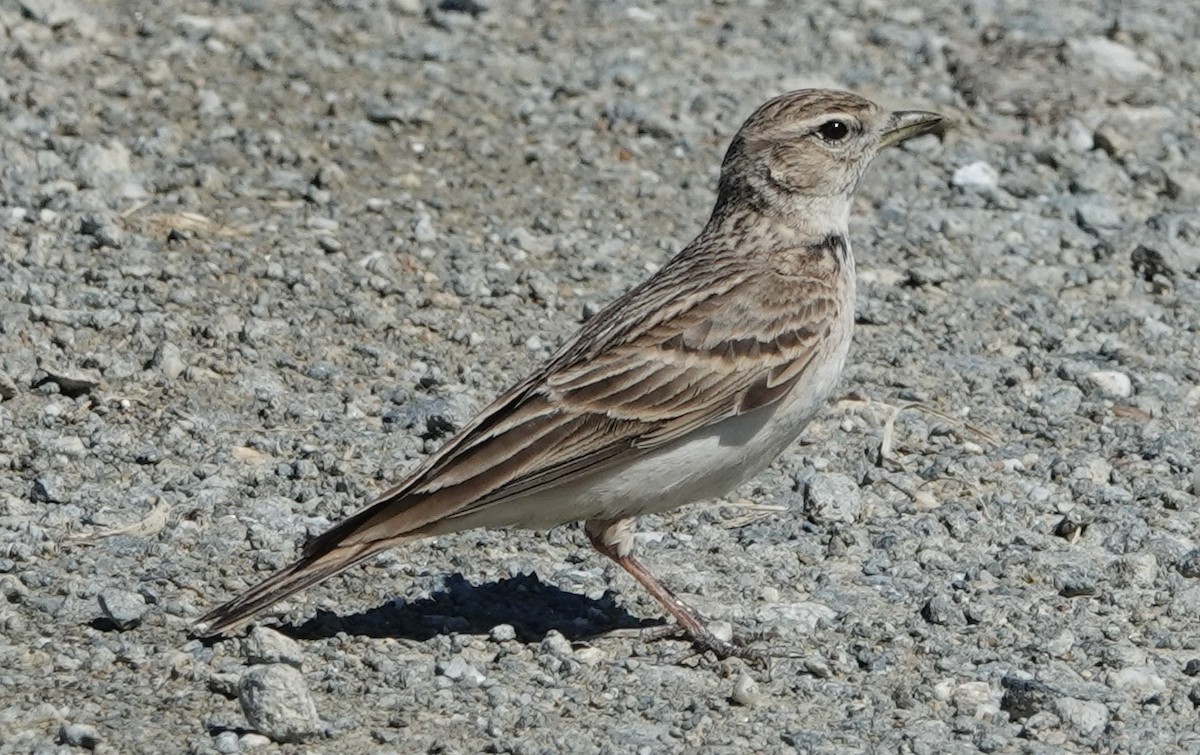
833 131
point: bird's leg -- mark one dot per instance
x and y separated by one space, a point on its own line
615 540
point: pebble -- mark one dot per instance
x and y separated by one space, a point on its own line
941 610
1088 717
276 702
832 498
1075 582
1079 137
528 242
976 175
103 229
70 445
1098 216
250 741
457 669
168 360
976 699
1104 54
1024 698
801 618
555 644
590 656
85 736
1139 681
423 230
1061 644
227 742
503 633
103 166
123 608
264 645
746 691
722 630
8 388
1189 565
1110 383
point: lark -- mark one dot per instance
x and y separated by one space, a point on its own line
684 387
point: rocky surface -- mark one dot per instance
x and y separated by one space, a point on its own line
257 259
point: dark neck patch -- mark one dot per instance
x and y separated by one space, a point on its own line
835 246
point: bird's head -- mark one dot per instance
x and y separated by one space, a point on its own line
804 151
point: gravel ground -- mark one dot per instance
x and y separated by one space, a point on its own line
260 257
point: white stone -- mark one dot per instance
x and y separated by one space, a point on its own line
1139 681
459 670
423 229
1087 717
977 175
1062 644
1079 137
976 699
1104 54
1111 383
802 617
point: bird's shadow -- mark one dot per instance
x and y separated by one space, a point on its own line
529 605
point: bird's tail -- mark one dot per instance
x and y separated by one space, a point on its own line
397 516
342 546
307 571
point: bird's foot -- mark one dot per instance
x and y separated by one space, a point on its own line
703 640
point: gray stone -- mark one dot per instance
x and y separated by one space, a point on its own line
1098 216
459 670
1189 565
276 701
503 633
1140 682
555 644
746 692
227 742
49 490
802 618
941 610
1087 717
123 608
832 498
1024 698
103 166
8 388
168 360
264 645
85 736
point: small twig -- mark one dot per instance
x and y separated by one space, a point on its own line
756 511
149 525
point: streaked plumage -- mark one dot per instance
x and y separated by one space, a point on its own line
681 389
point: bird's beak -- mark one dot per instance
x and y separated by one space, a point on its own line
905 124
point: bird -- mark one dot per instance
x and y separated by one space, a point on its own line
687 385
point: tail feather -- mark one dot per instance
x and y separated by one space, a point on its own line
307 571
397 516
391 520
